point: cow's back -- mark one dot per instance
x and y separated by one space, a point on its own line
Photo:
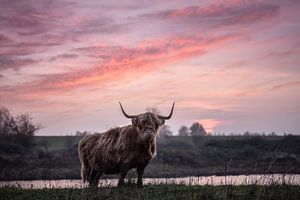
86 145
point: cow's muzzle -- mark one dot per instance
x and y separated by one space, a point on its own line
149 132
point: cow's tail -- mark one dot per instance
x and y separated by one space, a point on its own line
84 173
84 164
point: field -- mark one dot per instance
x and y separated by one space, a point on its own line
156 192
56 157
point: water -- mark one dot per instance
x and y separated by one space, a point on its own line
292 179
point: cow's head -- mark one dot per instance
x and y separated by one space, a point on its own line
148 122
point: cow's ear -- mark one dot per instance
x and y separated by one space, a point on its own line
161 122
134 122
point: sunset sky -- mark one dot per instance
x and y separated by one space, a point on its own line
233 65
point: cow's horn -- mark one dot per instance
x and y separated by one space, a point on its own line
126 115
169 116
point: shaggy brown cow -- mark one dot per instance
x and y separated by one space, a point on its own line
121 149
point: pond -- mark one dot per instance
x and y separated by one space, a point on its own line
291 179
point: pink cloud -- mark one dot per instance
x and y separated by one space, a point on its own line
218 14
124 62
286 85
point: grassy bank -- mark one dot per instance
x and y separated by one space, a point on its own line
56 157
156 192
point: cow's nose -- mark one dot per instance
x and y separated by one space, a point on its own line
149 134
149 131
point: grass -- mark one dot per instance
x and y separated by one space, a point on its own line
156 192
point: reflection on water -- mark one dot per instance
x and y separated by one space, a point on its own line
292 179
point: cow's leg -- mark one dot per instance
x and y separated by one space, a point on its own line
123 174
94 178
140 172
121 179
87 173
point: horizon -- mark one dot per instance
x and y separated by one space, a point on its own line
232 66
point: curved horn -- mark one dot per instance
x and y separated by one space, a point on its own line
126 115
169 116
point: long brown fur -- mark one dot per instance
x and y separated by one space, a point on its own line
119 149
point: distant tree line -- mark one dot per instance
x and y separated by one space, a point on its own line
20 125
248 133
196 129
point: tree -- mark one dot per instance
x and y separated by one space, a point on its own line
21 125
25 126
247 133
82 133
165 131
197 129
183 131
7 122
273 134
